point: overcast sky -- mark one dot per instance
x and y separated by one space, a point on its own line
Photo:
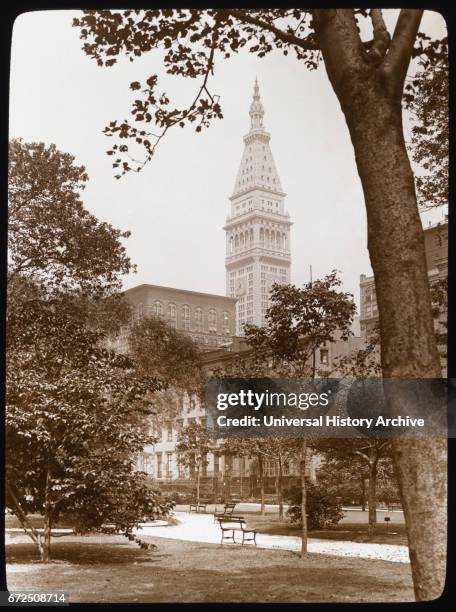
176 207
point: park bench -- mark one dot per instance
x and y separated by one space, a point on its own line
198 507
236 523
228 509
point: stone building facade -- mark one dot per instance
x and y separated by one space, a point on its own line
257 228
207 318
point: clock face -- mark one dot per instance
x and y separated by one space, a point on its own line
240 286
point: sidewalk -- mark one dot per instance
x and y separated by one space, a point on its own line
194 527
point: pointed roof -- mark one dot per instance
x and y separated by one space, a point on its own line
257 169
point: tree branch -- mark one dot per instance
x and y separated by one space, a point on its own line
25 523
396 62
381 40
288 37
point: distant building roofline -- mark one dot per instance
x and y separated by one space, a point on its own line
187 291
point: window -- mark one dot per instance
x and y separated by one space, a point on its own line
216 464
159 465
172 315
158 309
186 317
324 356
198 319
226 323
212 320
169 465
169 431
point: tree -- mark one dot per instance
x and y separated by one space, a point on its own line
52 238
368 79
369 452
74 423
75 413
298 321
193 445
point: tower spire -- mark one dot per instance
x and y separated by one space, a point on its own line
256 108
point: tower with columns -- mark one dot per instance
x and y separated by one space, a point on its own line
257 228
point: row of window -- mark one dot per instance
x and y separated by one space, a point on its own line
157 309
164 466
273 239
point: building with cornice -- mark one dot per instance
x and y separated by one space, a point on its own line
258 227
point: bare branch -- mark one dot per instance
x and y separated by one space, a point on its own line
381 40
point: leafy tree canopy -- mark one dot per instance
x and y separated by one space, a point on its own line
52 237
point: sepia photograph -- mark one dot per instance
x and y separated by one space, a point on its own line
227 306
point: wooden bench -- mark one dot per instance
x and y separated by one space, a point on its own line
236 523
198 507
228 509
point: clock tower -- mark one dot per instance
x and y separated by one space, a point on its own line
257 228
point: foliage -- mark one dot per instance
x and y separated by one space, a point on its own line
51 236
74 421
76 414
426 97
166 353
323 509
343 477
298 321
193 41
193 445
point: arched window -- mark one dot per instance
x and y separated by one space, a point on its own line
261 234
236 241
186 317
158 309
273 239
226 323
172 315
242 240
198 319
267 237
231 244
251 234
212 320
279 240
284 241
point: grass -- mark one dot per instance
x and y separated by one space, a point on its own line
110 569
353 532
347 531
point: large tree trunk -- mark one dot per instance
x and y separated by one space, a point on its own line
370 97
302 469
261 478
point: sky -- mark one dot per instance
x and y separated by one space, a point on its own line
176 207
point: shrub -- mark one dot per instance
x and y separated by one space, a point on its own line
323 509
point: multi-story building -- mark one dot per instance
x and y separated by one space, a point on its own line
257 228
209 319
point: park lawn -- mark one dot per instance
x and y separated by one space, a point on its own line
111 569
353 532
